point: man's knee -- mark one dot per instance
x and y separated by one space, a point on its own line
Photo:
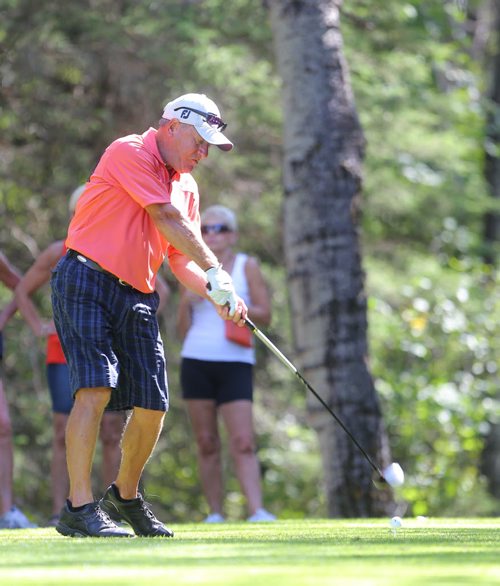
148 417
93 399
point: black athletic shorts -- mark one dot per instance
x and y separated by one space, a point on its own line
221 382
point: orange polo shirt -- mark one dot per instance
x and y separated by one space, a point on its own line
111 226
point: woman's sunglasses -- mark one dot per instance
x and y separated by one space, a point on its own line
215 229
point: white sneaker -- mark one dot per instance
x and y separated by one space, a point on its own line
214 518
261 516
15 519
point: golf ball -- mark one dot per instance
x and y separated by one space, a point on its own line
394 474
396 522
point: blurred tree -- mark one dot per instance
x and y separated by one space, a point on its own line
323 145
490 14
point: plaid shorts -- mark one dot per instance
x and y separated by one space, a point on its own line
110 336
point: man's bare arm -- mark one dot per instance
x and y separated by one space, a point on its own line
181 234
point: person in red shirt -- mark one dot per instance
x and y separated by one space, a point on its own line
11 517
140 205
112 423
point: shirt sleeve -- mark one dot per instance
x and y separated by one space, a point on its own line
186 199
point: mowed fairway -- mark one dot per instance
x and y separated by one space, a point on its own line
307 552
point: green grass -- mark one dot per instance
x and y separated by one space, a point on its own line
287 553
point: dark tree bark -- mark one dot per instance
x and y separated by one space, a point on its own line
490 464
492 161
323 152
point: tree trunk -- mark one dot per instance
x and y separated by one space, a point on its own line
490 464
323 150
492 161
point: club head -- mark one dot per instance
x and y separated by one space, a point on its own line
394 475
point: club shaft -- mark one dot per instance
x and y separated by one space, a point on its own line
267 342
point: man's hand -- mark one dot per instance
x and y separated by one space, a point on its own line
238 316
220 288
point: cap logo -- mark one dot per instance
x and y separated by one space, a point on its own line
185 114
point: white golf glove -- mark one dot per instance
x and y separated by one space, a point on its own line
220 288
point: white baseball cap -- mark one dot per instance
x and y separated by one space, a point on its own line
202 113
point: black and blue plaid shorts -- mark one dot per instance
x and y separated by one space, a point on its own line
110 336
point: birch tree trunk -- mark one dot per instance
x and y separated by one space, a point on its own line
323 151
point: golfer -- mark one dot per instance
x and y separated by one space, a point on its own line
140 204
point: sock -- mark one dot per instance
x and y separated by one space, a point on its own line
74 509
116 492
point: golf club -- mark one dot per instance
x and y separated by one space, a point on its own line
267 342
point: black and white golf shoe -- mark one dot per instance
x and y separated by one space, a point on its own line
90 521
135 512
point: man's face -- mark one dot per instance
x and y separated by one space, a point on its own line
181 146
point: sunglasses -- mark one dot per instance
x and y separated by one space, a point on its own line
215 229
211 119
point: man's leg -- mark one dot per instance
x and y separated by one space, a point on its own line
122 500
81 438
6 457
139 439
203 416
82 516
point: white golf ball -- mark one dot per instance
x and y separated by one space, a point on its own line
396 522
394 474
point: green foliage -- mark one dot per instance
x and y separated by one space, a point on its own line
434 309
440 393
416 92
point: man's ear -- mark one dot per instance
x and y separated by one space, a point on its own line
173 125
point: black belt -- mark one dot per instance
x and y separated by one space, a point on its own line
94 266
